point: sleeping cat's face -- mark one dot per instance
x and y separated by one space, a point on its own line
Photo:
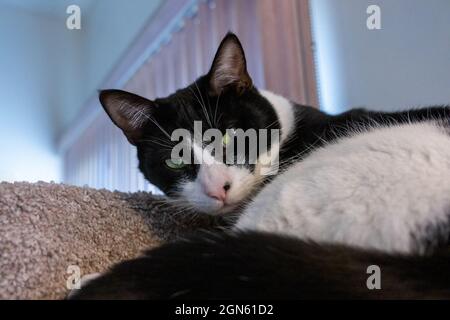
224 99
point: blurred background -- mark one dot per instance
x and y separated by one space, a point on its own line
316 52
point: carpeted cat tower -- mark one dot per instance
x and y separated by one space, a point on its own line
49 232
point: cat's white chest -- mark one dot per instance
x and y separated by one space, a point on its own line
382 189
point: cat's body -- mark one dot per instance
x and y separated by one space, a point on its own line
368 180
381 177
386 189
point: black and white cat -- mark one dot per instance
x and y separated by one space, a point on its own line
369 180
374 180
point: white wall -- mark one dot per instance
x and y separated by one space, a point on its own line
36 53
403 65
109 27
48 72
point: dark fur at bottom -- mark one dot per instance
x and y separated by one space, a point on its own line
265 266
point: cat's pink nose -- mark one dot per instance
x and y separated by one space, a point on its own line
219 193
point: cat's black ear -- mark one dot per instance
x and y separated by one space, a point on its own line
229 69
128 111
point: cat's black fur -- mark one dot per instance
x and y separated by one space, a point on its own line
314 127
267 266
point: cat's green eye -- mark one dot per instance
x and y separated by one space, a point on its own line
175 164
227 138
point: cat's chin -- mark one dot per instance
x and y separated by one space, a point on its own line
224 210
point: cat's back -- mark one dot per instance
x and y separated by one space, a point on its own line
386 188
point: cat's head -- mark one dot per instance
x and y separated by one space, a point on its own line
224 99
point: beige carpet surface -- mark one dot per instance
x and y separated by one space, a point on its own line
46 228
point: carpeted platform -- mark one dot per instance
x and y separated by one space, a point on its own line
45 228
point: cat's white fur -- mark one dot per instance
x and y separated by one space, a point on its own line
284 110
377 189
